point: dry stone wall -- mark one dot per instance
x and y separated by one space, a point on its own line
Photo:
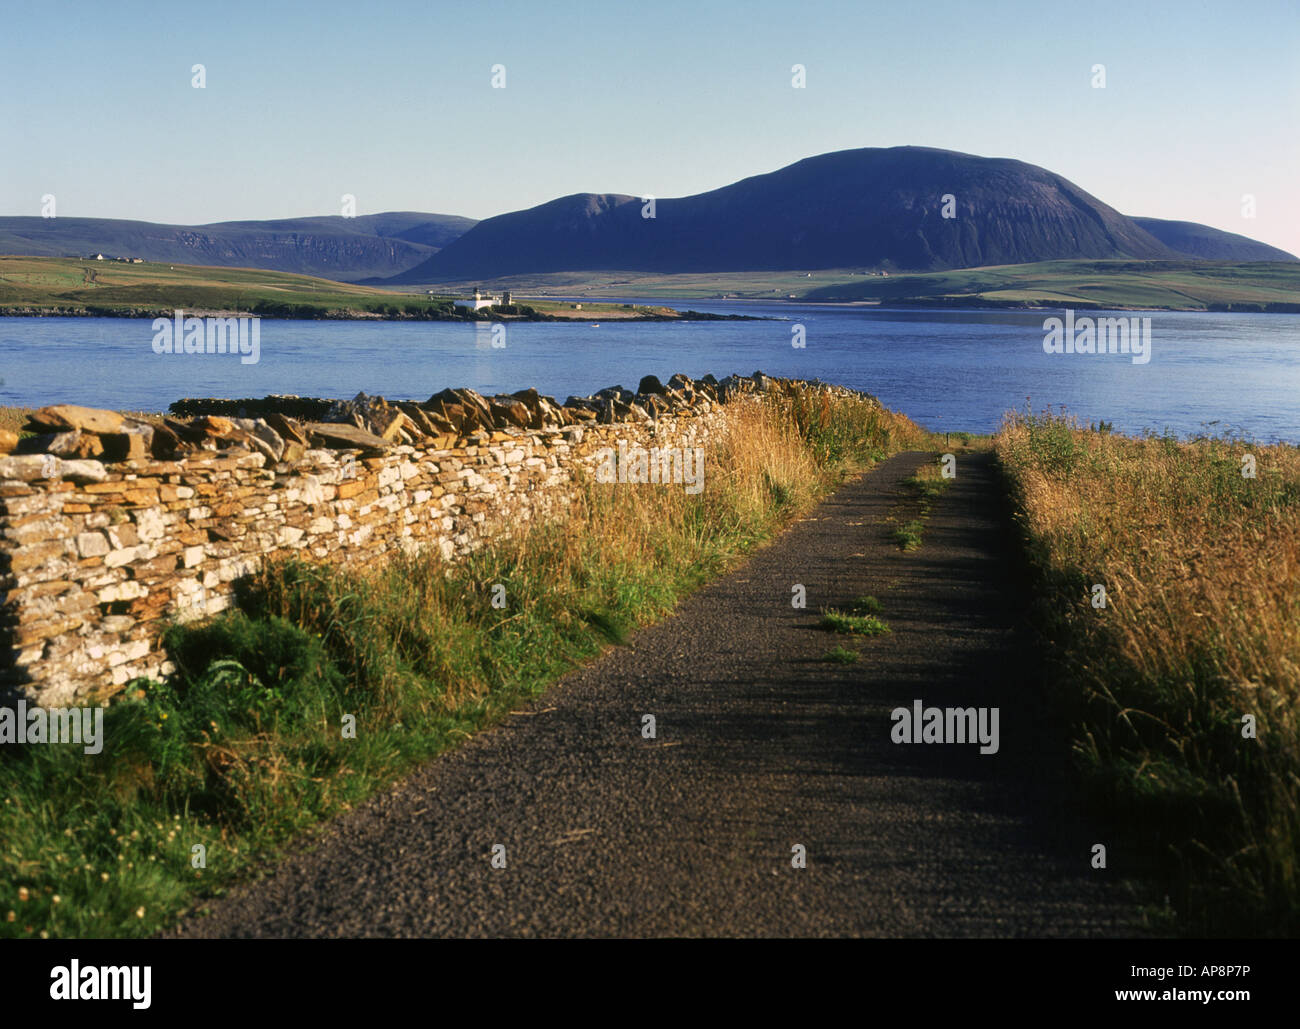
96 557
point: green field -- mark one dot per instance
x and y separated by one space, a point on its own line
1169 285
78 284
779 285
46 285
75 286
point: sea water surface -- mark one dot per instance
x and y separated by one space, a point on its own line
947 369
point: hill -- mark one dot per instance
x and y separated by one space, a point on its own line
867 209
1209 244
876 208
349 249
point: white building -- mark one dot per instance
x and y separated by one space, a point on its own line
479 302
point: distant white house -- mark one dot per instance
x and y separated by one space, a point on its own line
479 301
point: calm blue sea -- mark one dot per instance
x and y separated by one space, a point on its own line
946 369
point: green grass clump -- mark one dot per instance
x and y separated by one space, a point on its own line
851 624
922 490
909 536
841 656
926 490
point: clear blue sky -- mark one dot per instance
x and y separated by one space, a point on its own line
392 101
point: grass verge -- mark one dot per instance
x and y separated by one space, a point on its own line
1182 691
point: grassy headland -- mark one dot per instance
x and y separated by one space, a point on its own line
242 750
74 286
1161 285
1182 693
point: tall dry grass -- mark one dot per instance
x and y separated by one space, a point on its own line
1201 567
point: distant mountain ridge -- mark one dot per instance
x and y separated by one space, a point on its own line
333 247
879 208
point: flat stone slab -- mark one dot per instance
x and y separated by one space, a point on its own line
61 417
338 436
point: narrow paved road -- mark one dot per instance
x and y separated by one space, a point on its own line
761 745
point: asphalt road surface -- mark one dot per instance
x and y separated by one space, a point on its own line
761 746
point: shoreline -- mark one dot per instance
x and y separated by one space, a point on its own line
370 316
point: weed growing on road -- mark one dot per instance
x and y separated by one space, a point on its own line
921 490
909 536
851 624
866 606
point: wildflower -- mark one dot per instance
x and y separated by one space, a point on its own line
22 893
103 877
139 912
57 899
